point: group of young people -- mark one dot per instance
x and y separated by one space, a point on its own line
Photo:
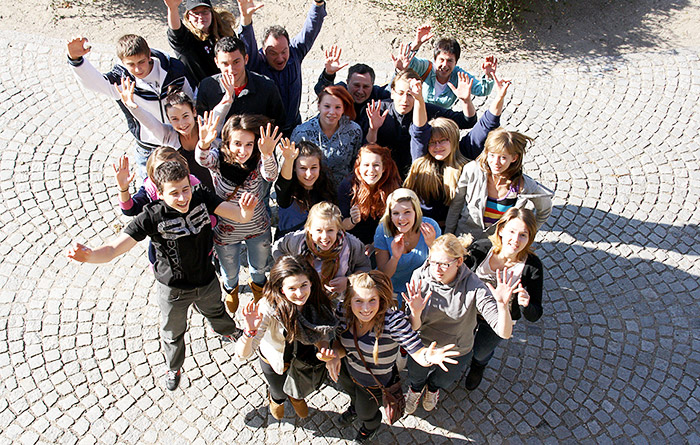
399 242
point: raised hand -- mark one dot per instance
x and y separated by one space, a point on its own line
247 8
207 128
126 92
440 356
501 85
77 47
403 59
429 233
337 285
289 150
413 298
398 244
463 90
489 66
415 89
376 117
355 214
268 140
172 4
423 34
326 354
227 80
505 286
523 296
79 252
121 173
251 316
333 60
247 203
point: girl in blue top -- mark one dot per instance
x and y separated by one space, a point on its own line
403 238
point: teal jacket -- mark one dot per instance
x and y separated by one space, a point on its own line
480 87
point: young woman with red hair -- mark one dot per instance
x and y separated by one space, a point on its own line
333 130
362 195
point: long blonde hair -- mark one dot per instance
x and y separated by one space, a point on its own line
437 180
397 196
513 143
373 279
223 24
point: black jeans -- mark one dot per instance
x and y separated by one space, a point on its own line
275 382
366 406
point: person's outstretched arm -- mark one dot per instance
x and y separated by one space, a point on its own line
103 254
303 41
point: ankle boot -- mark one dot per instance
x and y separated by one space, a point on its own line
256 289
476 373
231 300
276 409
300 407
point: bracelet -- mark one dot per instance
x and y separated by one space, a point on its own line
250 334
353 222
125 190
319 3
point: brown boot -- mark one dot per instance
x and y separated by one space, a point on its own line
232 301
276 409
257 290
300 407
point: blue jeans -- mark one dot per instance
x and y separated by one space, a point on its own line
259 253
434 376
485 342
139 163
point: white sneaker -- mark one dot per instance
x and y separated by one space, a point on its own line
430 400
412 399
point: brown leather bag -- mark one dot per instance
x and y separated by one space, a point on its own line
393 398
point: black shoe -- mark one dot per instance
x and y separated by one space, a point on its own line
347 418
172 380
476 373
231 338
364 436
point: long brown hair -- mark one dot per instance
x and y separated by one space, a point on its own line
223 24
437 180
371 200
513 143
526 216
373 279
324 185
286 311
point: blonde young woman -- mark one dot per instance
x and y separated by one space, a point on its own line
332 252
368 314
403 238
510 246
439 155
492 184
193 38
457 295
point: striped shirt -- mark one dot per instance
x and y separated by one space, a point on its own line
397 332
495 208
228 231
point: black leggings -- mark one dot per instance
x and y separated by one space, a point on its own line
361 400
275 382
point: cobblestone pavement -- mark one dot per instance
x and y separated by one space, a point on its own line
615 358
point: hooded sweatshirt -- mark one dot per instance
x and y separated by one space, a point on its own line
450 314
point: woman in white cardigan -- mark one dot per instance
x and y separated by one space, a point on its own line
294 319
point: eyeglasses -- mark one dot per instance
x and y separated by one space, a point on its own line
441 265
438 142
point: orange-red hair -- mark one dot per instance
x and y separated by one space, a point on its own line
371 200
342 94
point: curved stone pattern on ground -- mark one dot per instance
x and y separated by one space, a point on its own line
615 358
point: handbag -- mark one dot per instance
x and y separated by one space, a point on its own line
303 378
392 395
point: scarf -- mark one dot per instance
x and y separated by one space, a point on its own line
329 258
237 173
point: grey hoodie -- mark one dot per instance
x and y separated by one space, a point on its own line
450 314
